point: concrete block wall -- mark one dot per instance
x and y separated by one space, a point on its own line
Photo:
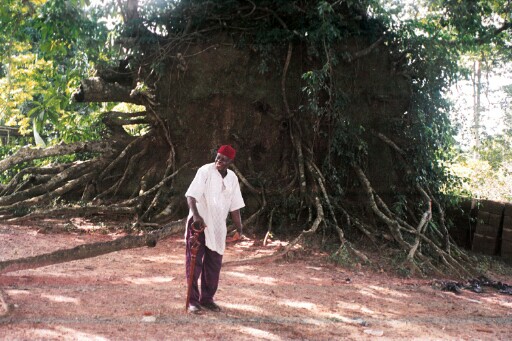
487 237
506 237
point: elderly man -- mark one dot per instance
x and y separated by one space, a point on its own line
213 194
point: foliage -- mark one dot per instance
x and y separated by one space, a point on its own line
496 150
342 257
476 23
456 32
10 149
45 52
132 129
489 174
482 180
491 264
5 151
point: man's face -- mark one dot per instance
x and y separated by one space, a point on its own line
222 162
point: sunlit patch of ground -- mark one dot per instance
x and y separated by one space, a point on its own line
140 294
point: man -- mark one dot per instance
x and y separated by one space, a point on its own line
213 194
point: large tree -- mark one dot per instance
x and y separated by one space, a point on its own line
338 119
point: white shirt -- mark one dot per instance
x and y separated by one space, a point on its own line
215 198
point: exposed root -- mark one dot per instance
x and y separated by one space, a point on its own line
28 153
421 225
397 227
359 254
17 182
300 159
92 250
255 215
73 212
283 78
393 225
361 226
286 250
347 246
447 259
126 151
129 170
244 181
442 223
77 175
314 227
320 179
427 216
320 216
318 205
444 235
269 231
154 189
169 170
4 306
93 179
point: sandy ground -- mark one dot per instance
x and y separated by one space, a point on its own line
139 294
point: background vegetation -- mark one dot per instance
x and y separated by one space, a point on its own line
47 47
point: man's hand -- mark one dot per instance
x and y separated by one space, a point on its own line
198 222
234 238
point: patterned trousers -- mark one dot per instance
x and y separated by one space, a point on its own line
208 265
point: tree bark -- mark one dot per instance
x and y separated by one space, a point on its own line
28 153
56 182
96 89
17 180
74 211
53 193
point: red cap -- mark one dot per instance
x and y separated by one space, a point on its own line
228 151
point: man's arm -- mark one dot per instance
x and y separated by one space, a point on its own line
191 201
237 221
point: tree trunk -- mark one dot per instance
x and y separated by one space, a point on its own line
477 91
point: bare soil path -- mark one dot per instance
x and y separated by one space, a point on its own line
139 294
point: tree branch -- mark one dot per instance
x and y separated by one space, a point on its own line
29 153
96 89
364 52
73 211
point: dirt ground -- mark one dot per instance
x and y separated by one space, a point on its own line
139 294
